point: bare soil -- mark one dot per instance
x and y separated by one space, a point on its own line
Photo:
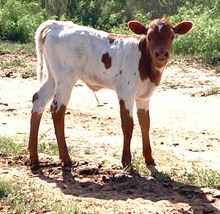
185 133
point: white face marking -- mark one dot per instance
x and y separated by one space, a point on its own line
160 26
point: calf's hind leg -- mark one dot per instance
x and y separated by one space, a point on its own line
40 100
58 109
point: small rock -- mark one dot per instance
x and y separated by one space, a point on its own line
25 76
8 73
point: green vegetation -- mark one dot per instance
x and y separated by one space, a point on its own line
5 189
9 47
199 177
14 198
8 147
212 90
48 148
203 42
19 20
192 176
15 62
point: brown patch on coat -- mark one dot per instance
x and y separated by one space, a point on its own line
35 97
107 60
145 64
53 107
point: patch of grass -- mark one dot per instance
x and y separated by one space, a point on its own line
31 71
8 147
198 177
18 58
138 162
8 47
173 85
45 147
5 188
217 69
68 208
15 198
208 178
12 63
48 148
213 90
192 176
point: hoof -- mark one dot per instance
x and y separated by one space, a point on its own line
67 167
150 163
34 166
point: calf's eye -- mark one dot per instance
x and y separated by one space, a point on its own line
149 38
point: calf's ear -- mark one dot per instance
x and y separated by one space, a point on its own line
183 27
137 28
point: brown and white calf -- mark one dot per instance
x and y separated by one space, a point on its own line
130 65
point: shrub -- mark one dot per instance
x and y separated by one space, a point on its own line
203 41
19 20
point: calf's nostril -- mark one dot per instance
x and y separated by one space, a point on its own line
161 54
157 54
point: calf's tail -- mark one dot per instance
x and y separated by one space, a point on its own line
40 37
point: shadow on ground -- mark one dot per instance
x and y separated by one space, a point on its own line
100 181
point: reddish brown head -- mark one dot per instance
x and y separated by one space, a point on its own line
159 36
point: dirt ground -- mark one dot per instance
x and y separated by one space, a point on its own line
185 131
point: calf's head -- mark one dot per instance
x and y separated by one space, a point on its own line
159 36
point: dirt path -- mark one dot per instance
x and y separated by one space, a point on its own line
185 127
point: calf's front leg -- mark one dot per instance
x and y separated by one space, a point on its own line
127 125
144 121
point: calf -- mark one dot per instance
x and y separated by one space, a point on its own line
130 65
